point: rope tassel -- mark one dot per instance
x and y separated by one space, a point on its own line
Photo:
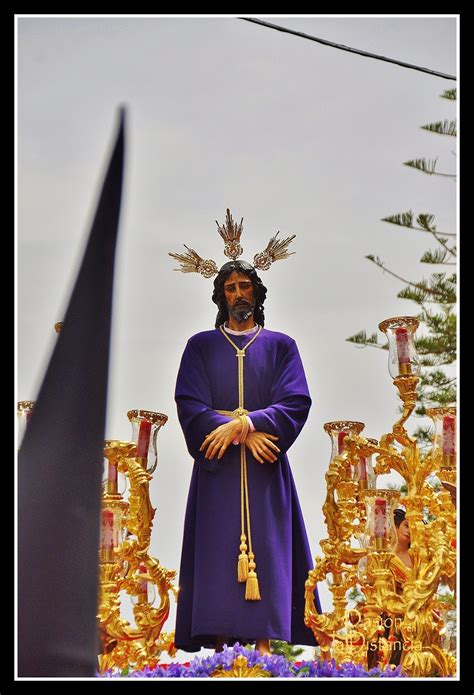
252 591
246 565
243 564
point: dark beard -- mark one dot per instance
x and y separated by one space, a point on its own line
242 311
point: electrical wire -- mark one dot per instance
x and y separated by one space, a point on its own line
348 48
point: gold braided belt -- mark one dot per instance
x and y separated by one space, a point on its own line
233 413
246 562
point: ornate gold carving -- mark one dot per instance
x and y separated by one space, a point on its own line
25 406
150 415
413 604
398 321
128 566
276 250
241 669
406 385
191 262
341 425
231 232
448 410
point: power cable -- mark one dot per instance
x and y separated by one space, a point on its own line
347 48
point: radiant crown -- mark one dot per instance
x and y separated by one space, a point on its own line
276 250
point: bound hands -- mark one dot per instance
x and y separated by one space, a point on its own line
260 444
219 439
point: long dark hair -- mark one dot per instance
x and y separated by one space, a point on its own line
259 291
399 515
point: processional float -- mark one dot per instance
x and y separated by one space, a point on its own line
358 552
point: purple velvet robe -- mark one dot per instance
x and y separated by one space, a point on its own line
211 601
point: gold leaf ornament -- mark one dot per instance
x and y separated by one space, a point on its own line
231 233
276 250
191 262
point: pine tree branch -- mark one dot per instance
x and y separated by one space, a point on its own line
362 340
418 286
375 345
436 379
449 94
418 296
425 220
441 128
444 245
436 297
405 219
437 257
427 167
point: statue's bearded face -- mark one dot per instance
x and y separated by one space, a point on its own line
238 290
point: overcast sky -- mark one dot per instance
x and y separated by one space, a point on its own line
290 135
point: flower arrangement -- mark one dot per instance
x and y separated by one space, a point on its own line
276 666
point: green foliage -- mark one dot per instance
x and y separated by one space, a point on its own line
289 651
449 94
395 486
427 166
362 339
435 297
404 219
356 595
441 127
447 598
424 220
437 256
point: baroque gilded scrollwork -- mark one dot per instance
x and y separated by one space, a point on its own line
241 669
414 603
126 566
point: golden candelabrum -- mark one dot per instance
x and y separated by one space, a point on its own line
125 563
401 607
124 560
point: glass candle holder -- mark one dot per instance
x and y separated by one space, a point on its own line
380 530
338 430
110 477
114 483
403 359
24 412
364 471
110 532
146 590
444 441
146 425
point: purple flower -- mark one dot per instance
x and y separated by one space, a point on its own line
277 666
